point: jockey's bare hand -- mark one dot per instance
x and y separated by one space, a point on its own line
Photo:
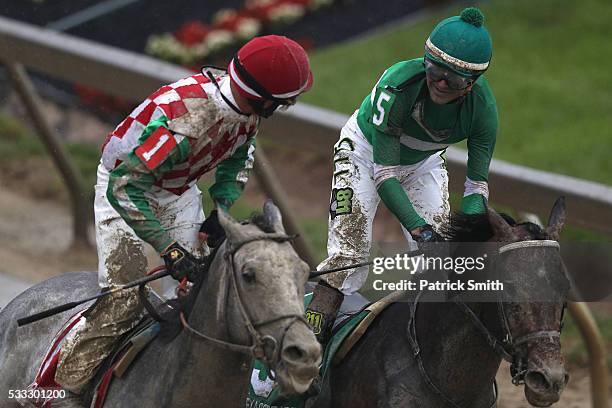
211 231
180 263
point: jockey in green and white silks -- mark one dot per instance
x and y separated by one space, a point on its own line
392 147
146 188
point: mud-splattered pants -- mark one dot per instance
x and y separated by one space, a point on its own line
121 259
354 200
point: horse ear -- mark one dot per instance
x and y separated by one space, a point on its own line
233 229
556 220
502 231
273 216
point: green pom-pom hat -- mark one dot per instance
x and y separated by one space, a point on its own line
461 43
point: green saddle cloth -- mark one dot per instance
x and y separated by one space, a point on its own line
264 392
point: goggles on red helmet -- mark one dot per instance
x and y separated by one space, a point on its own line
258 105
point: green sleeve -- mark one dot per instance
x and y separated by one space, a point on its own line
128 184
473 204
386 151
480 144
387 118
232 174
396 200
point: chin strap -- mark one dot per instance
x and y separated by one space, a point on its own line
207 73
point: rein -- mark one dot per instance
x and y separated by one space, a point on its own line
265 347
416 352
317 273
518 365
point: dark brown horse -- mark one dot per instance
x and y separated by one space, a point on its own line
446 354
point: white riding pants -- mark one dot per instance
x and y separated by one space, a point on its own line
354 201
122 259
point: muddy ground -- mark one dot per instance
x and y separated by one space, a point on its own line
35 228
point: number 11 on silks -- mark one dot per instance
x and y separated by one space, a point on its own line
381 101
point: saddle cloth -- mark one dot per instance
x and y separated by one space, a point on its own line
45 376
124 353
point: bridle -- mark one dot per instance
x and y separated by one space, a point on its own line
264 348
508 348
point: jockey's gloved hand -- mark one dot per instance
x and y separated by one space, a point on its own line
427 234
180 263
215 234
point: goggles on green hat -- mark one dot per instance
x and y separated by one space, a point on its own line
456 82
461 43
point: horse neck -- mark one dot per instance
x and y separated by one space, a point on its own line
450 341
212 372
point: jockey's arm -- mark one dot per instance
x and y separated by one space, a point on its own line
232 174
129 181
386 158
481 144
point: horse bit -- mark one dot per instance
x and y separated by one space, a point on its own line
263 348
508 348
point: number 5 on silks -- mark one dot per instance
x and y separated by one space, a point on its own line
379 115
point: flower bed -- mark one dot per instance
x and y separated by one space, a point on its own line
195 41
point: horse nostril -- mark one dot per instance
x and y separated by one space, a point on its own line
566 378
294 353
537 381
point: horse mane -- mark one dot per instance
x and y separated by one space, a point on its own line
476 228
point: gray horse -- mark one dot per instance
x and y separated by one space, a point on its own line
446 354
250 300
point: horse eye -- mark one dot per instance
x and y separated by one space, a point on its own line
249 275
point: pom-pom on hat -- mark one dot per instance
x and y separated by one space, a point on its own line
271 66
461 43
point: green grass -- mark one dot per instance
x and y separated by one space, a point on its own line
550 74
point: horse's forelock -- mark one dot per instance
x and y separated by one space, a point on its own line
262 222
534 230
470 227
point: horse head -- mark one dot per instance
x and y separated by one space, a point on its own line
265 306
531 312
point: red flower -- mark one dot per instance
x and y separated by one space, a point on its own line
192 33
231 23
304 3
102 101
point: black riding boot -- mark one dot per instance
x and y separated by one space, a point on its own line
322 311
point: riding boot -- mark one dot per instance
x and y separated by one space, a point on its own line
322 310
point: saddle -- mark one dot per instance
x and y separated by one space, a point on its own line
127 348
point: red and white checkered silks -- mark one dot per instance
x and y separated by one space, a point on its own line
223 137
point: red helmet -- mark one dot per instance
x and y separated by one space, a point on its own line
271 67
